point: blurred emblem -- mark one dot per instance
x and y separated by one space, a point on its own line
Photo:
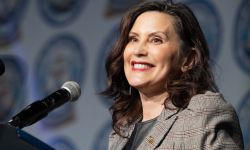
12 87
60 12
62 59
106 46
205 13
210 23
10 16
241 38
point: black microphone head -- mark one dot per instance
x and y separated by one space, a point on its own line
73 88
2 67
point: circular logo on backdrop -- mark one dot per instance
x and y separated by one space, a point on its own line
243 111
241 38
62 59
12 87
210 23
102 136
60 12
61 143
106 46
10 14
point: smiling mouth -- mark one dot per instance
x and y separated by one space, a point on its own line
141 65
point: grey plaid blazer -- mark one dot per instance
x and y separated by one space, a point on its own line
209 122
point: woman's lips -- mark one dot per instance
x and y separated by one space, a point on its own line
141 66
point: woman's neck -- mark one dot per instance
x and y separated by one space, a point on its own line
152 104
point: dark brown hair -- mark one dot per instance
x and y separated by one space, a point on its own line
181 85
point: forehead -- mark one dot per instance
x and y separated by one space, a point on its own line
154 20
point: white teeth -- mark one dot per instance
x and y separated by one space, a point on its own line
141 66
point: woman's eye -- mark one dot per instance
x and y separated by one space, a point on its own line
157 40
132 39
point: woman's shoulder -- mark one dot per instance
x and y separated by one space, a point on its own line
206 107
211 115
209 101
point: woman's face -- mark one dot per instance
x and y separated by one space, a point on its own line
149 54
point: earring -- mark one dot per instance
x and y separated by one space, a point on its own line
129 90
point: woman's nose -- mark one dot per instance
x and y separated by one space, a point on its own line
141 49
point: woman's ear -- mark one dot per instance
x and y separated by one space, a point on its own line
189 61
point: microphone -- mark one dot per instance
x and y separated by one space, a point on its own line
70 91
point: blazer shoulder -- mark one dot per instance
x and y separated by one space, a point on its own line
210 101
213 120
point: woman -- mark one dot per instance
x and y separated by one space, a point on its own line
164 93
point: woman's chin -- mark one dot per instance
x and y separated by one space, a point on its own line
139 86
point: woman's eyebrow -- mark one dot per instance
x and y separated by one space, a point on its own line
165 33
132 33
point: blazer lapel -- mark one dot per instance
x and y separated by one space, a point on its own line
163 124
120 142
